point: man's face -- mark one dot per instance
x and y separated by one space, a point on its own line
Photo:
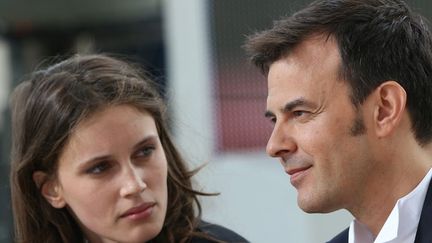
318 135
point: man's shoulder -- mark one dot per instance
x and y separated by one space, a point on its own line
342 237
424 234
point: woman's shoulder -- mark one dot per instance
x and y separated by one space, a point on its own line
218 232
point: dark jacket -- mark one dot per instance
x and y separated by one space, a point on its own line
424 229
218 232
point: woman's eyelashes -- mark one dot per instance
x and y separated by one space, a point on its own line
98 168
145 151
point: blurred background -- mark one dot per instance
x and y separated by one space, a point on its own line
217 99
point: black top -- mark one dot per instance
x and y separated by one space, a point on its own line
218 232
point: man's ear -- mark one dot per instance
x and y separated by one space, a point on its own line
50 189
390 106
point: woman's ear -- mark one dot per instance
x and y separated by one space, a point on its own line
50 189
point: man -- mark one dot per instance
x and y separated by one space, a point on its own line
350 96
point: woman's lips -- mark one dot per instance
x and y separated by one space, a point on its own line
139 212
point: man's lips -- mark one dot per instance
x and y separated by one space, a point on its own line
297 170
297 174
138 209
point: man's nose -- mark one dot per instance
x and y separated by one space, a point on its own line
281 142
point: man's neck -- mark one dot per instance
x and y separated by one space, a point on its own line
386 187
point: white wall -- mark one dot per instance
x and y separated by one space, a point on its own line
256 198
5 77
189 75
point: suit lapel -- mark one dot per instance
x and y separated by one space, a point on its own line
341 237
424 230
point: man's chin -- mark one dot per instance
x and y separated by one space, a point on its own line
310 206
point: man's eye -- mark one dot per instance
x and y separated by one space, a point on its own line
299 113
272 120
98 168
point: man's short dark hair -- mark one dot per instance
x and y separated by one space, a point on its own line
378 40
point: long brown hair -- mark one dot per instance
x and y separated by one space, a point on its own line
46 109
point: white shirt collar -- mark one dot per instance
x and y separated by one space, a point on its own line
401 224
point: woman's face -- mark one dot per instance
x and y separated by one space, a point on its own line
112 176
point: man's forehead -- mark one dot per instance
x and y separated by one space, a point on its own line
317 55
311 72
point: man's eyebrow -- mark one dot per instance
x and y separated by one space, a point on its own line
288 107
268 114
296 103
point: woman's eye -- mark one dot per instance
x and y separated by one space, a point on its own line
145 151
98 168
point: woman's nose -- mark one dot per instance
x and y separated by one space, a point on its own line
133 182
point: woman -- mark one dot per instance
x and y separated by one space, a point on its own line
92 160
